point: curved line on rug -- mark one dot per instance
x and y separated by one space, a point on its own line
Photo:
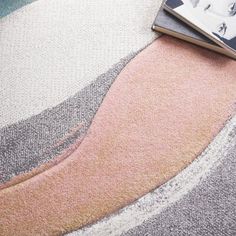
8 6
21 163
166 195
137 143
62 73
49 49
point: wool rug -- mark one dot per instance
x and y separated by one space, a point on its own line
95 115
198 201
54 78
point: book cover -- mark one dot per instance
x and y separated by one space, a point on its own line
216 19
169 24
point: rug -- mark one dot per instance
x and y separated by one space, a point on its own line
107 130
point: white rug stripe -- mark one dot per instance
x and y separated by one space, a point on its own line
49 50
155 202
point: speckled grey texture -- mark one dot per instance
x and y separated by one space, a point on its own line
209 209
29 143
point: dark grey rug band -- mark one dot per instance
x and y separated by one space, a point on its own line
208 210
32 142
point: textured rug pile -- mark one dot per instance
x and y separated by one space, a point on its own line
107 128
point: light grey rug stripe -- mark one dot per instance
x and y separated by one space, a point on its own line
187 203
29 143
209 209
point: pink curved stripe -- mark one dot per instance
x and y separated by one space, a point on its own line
162 111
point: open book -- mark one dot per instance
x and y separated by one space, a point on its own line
216 19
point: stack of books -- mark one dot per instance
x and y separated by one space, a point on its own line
207 23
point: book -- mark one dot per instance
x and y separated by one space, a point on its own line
169 24
215 19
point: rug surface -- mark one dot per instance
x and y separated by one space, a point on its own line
53 97
107 130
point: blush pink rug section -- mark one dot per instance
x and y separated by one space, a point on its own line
161 112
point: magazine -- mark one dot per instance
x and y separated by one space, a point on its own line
216 19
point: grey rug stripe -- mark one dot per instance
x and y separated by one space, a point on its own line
209 209
188 204
30 143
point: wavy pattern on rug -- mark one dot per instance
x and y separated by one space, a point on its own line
134 143
209 209
176 208
50 50
50 133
